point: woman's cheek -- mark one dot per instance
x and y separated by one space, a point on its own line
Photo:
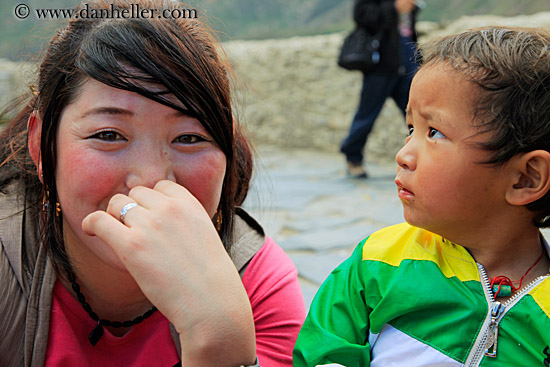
203 177
87 179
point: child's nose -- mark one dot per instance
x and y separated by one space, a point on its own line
406 158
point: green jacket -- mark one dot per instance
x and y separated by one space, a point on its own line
408 297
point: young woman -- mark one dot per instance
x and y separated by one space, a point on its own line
122 239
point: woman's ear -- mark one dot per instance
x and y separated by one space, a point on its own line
531 177
34 130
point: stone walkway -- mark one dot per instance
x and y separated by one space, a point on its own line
315 213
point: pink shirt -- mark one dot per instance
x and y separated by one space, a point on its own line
271 284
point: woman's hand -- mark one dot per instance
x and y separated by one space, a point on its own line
170 247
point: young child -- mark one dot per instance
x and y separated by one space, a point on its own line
465 281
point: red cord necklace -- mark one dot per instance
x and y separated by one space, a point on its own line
502 286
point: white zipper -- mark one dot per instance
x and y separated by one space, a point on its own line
487 340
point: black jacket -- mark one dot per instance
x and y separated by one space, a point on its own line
381 16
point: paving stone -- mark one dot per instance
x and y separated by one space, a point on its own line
328 239
313 223
387 214
383 211
317 267
317 214
283 197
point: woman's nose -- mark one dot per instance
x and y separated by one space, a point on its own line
149 167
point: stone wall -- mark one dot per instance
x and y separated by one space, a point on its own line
296 96
14 80
290 92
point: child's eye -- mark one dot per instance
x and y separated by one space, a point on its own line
411 130
435 134
108 135
189 139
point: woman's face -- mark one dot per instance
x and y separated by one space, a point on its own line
111 140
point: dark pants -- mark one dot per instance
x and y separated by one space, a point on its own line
376 89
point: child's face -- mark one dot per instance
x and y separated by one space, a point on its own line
440 181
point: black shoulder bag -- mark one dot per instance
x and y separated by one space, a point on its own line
360 51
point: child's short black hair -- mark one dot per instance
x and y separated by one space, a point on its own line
512 68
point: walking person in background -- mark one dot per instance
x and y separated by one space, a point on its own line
395 20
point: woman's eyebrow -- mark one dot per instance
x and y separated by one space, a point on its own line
106 111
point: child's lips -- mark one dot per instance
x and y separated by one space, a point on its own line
403 192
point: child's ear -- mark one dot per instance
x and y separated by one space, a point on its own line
34 131
531 177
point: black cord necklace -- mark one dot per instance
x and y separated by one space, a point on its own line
97 332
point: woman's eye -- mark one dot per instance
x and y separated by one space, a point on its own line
435 134
108 136
411 130
188 139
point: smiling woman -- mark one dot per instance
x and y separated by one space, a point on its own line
123 242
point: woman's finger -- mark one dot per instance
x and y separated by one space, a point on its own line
167 198
124 209
106 227
103 225
151 197
172 189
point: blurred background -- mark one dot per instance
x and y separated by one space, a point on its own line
297 106
260 19
290 92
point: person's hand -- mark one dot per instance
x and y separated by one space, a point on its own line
170 247
404 6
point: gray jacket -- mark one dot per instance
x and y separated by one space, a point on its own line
27 278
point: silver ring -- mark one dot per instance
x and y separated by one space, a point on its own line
125 209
